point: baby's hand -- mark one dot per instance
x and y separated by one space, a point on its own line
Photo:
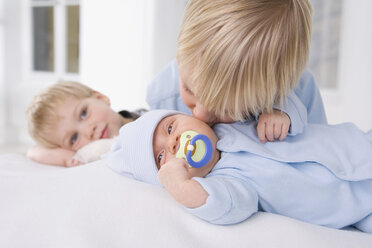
273 126
173 173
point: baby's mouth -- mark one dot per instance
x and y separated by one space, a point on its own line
104 133
195 148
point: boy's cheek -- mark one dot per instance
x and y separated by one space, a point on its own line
225 119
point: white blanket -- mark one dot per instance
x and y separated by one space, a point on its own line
92 206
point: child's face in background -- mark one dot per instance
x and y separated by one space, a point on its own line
166 140
193 103
85 120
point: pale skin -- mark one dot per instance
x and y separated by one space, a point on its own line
81 121
174 173
270 127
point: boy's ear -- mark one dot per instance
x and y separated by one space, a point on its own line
101 97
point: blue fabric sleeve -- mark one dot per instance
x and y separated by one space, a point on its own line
297 113
308 92
304 105
230 200
163 92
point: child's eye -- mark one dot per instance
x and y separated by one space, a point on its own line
83 113
170 128
74 138
160 157
187 90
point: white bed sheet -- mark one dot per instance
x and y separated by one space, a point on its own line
92 206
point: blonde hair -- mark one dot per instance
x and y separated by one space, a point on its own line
245 55
41 113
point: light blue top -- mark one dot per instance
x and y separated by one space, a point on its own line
322 176
164 92
304 104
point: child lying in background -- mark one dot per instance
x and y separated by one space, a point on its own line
67 116
322 176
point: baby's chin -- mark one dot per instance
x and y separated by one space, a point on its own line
198 172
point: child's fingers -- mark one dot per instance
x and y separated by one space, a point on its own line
177 161
284 133
277 130
180 162
174 164
261 131
69 162
73 162
173 172
270 132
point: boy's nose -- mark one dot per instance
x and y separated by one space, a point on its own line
201 113
90 131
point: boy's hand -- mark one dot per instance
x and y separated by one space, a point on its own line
53 156
273 126
72 162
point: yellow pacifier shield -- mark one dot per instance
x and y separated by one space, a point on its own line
198 150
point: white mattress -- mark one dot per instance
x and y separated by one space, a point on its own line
92 206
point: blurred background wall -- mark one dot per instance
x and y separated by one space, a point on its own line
118 46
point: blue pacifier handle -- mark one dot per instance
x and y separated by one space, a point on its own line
208 153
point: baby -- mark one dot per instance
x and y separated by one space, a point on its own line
323 176
67 116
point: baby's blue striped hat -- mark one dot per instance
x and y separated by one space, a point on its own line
132 155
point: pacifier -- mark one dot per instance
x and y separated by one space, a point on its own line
196 148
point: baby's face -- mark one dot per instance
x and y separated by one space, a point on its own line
167 135
85 120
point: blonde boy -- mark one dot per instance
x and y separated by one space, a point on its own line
67 116
239 59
